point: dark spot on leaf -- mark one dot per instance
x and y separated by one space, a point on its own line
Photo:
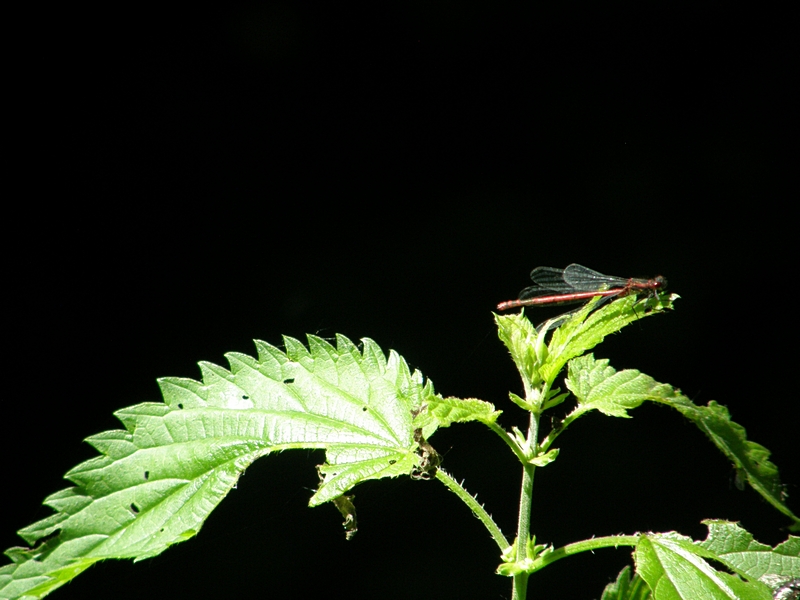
147 474
290 380
365 409
135 509
245 397
180 406
391 462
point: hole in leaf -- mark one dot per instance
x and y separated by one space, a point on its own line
290 380
147 474
43 540
134 508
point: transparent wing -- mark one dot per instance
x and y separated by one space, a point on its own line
585 279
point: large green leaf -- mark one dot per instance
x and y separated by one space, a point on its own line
157 481
736 549
677 568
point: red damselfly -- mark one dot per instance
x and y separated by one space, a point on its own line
577 283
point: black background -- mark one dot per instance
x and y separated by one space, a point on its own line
186 181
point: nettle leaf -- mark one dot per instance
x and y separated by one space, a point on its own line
677 568
598 386
589 327
443 412
737 550
539 361
526 345
156 482
748 457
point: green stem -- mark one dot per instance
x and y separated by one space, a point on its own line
509 440
520 588
614 541
568 420
477 509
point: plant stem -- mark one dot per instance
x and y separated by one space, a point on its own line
509 440
477 509
613 541
568 420
520 588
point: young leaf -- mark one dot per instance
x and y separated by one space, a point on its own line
627 588
539 362
442 412
598 386
586 329
157 481
526 345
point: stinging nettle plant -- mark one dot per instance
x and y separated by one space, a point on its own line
156 481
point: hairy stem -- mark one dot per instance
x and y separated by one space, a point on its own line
477 509
610 541
509 440
520 588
